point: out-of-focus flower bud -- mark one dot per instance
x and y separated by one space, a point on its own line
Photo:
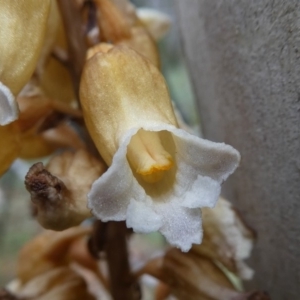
115 28
60 284
194 277
226 239
56 82
156 22
52 27
191 277
22 32
59 191
54 77
47 251
128 10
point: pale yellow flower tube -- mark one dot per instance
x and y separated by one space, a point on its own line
141 104
22 31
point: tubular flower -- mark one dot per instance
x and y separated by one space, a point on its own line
159 175
20 45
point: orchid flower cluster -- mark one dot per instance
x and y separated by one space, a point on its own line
119 152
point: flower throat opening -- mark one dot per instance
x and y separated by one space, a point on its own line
148 157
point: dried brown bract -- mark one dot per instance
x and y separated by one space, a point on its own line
59 190
44 186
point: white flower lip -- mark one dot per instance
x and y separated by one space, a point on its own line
9 110
201 167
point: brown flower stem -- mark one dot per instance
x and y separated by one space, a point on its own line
75 33
122 283
96 241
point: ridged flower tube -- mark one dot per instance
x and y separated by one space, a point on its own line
22 31
159 175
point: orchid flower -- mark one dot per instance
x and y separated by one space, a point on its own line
159 175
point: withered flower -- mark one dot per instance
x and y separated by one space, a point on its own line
159 175
47 251
194 277
128 10
58 192
156 22
58 265
227 239
22 33
61 283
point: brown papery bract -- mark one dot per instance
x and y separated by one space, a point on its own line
58 192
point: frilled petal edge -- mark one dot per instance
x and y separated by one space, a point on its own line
201 168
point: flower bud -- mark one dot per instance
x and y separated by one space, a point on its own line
22 32
115 28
